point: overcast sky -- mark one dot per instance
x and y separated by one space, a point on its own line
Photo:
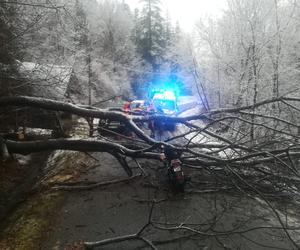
187 12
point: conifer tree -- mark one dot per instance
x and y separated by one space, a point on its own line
151 40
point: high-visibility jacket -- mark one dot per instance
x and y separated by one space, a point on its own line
126 106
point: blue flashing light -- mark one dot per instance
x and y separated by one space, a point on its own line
169 94
169 89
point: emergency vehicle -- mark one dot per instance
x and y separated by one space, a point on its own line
165 102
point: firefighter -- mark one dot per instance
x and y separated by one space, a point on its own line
150 111
158 124
126 106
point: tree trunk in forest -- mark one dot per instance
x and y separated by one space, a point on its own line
277 54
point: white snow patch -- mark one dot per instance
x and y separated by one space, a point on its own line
39 131
23 159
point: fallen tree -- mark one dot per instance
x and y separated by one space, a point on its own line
219 150
217 143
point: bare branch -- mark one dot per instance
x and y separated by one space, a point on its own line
33 5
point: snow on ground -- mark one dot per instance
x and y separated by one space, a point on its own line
199 137
195 136
38 131
186 103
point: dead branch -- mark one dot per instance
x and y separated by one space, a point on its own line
136 236
72 187
283 227
140 167
89 145
258 162
33 5
83 145
112 115
77 110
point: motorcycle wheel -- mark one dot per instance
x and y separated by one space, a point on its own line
179 187
175 184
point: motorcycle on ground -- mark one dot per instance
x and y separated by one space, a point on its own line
176 176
